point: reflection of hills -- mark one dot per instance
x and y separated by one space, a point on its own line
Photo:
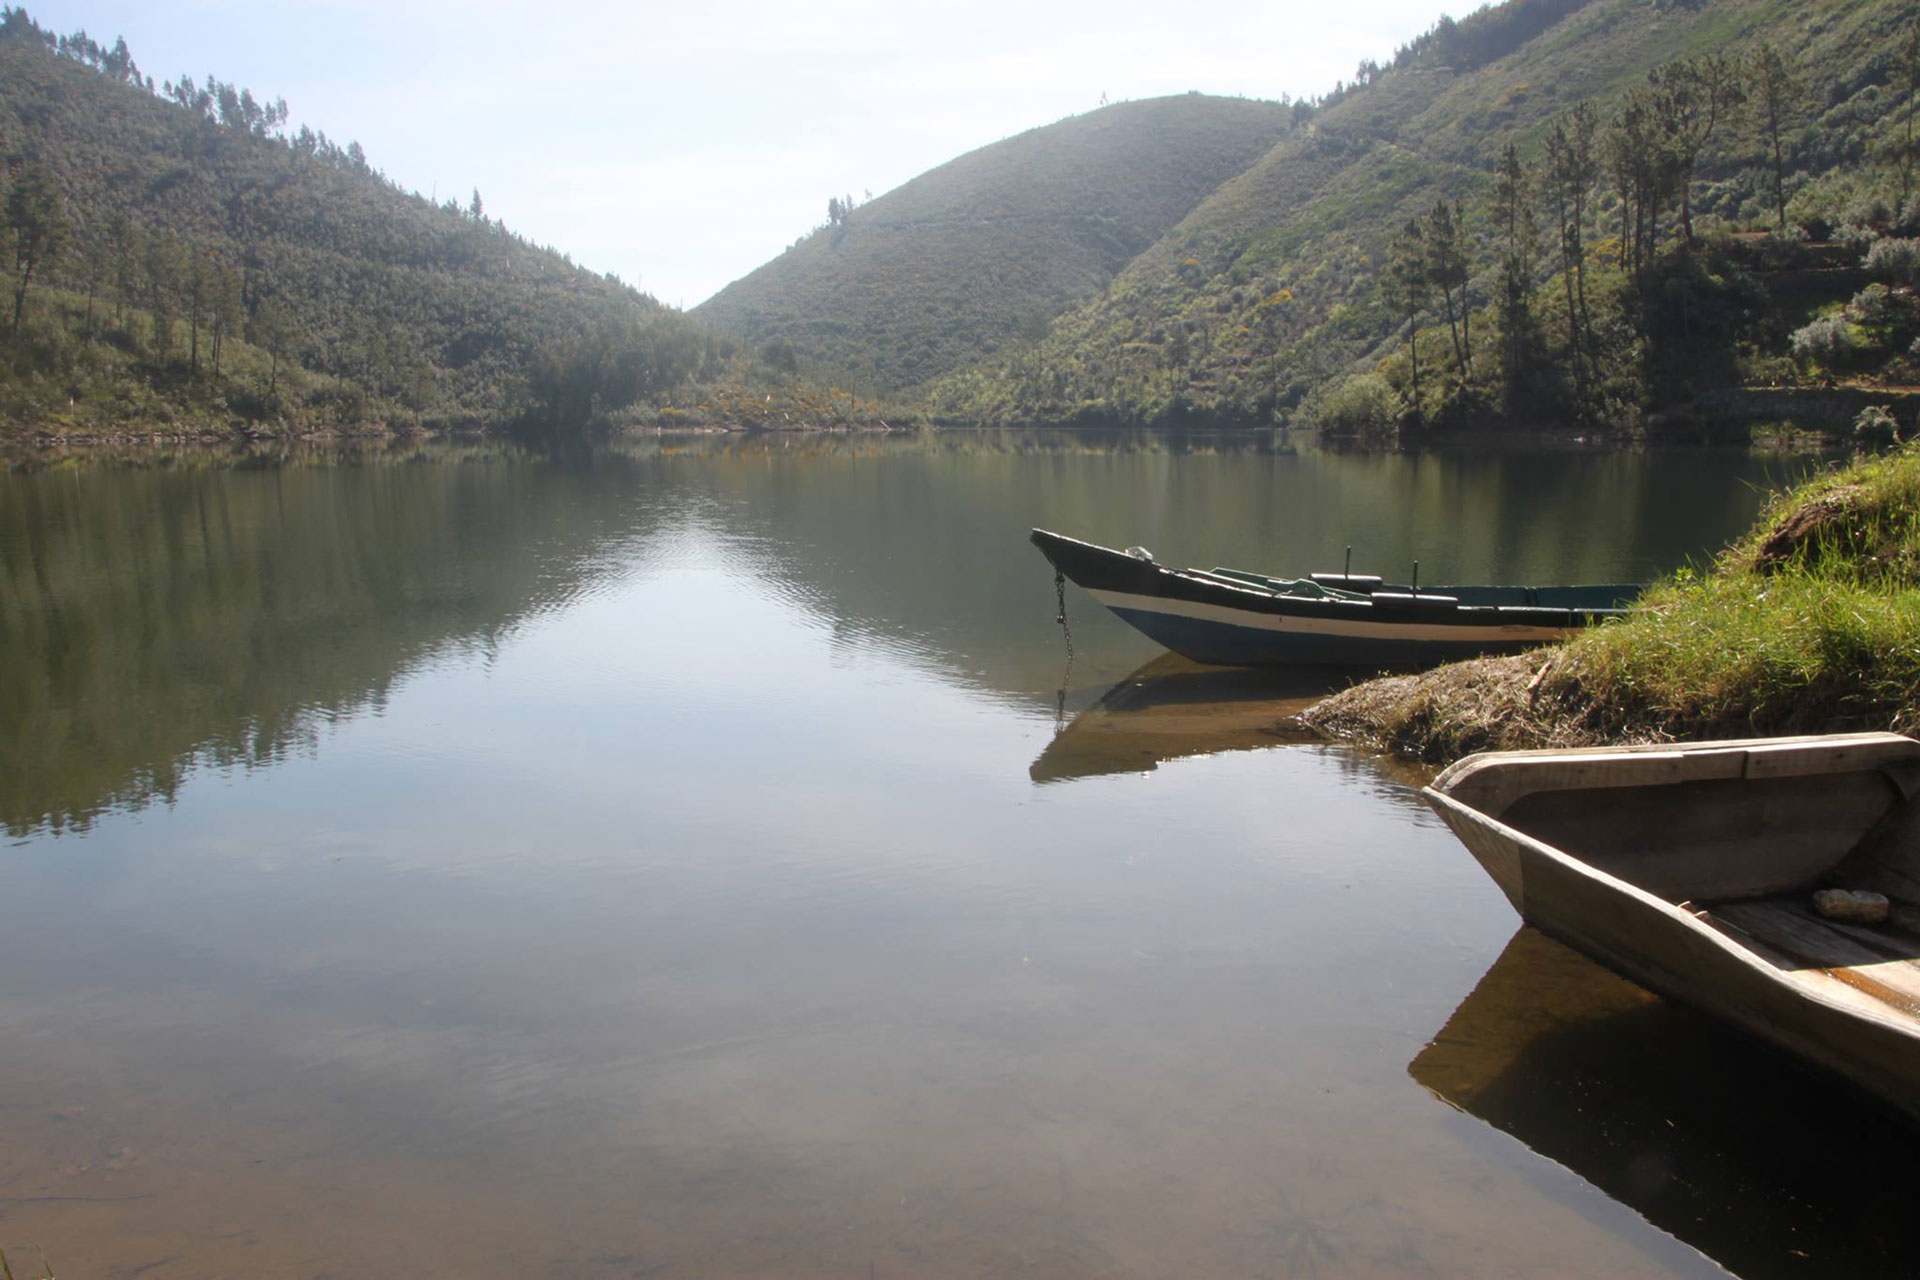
1172 708
921 541
1767 1170
155 616
152 617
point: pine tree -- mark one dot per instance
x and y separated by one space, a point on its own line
1513 207
37 218
229 309
164 272
1445 239
96 262
1408 284
273 329
1775 94
194 293
1641 176
124 248
1689 99
1570 173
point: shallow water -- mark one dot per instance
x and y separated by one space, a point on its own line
672 864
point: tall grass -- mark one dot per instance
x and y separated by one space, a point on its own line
1809 623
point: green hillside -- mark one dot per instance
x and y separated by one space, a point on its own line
1268 302
983 251
184 261
1398 255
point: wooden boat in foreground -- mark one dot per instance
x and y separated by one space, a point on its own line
1228 617
1691 868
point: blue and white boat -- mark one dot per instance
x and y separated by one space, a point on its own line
1227 617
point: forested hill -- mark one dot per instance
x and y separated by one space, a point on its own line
179 256
1549 210
983 251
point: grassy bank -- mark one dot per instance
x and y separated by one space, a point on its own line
1810 623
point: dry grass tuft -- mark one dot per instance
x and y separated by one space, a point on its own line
1487 704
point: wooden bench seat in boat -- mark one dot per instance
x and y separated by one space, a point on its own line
1880 962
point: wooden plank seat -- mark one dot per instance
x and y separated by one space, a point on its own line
1881 962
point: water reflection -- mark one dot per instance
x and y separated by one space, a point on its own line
924 540
1764 1167
590 866
214 612
1170 708
155 619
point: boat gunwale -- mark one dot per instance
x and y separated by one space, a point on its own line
1670 912
1451 612
1479 773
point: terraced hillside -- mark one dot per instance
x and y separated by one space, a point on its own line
1270 291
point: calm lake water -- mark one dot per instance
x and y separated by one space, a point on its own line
687 863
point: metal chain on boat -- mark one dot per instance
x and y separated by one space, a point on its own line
1060 596
1066 678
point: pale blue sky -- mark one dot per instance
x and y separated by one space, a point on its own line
680 146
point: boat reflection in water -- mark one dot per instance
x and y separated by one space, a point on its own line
1760 1165
1171 708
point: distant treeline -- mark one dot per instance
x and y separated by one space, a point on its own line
1488 34
116 62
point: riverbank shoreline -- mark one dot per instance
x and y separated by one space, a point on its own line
1484 704
1809 623
42 448
54 443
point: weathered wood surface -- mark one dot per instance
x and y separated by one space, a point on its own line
1491 782
1721 838
1662 830
1881 963
1888 859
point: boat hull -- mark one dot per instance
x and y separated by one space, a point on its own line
1660 939
1222 623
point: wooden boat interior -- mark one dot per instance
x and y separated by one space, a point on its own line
1365 587
1743 855
1303 587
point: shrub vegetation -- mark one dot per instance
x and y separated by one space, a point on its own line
1585 213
